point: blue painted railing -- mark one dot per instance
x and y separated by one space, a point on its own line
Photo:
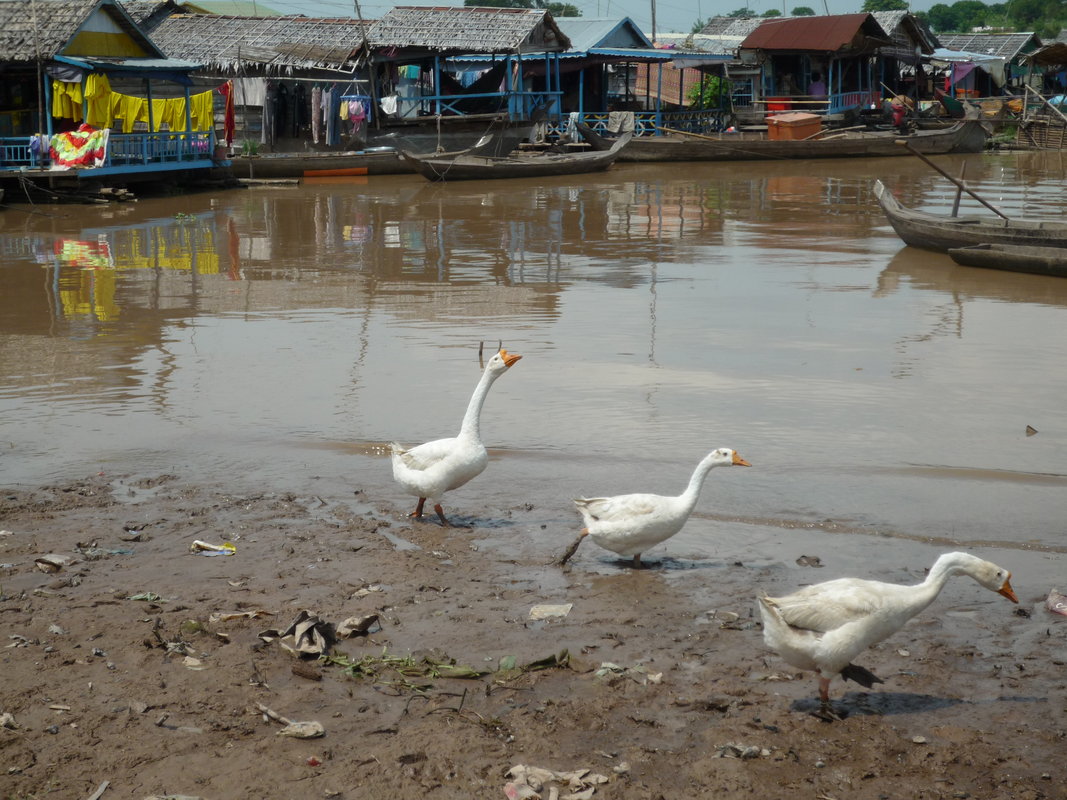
126 151
651 123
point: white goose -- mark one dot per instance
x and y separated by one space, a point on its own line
823 627
629 524
431 469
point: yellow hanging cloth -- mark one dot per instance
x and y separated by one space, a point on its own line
98 100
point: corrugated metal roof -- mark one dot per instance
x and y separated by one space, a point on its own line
274 44
587 33
816 34
233 8
1001 45
467 30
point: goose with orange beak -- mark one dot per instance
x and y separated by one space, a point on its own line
629 524
431 469
824 626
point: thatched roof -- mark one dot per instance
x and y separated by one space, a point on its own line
467 30
274 45
42 28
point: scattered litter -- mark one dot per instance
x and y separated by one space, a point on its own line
52 562
810 561
732 750
8 721
151 597
1056 602
530 782
58 707
354 626
548 611
903 652
217 617
193 663
307 636
298 730
6 533
1030 430
363 592
208 549
639 674
99 791
94 553
55 629
919 739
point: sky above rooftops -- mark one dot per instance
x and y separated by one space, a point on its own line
671 15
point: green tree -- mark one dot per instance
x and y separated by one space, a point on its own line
741 13
698 26
771 12
884 5
712 92
555 9
803 11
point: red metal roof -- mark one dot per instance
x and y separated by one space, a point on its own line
826 34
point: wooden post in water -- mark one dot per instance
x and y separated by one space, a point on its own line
959 184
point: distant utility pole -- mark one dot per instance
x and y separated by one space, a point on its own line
654 21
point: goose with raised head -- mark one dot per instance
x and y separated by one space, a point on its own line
431 469
629 524
824 626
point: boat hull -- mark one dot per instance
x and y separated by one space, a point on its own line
468 166
964 137
941 233
1014 258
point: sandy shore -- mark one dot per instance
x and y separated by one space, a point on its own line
161 695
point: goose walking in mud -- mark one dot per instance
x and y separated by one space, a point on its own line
629 524
431 469
824 626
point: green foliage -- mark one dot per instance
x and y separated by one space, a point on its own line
741 13
698 26
803 11
771 12
884 5
712 92
1045 17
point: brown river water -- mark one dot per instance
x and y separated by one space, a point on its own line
276 337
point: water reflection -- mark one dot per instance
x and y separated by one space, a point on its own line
664 310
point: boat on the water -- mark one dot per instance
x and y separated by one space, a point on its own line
467 165
966 136
1014 258
373 161
943 233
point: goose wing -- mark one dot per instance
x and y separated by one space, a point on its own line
828 606
425 456
630 507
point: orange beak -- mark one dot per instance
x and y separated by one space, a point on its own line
1007 591
509 358
740 462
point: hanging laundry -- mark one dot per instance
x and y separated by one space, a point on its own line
316 113
229 124
98 100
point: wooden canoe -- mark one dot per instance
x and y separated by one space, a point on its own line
964 137
943 233
1014 258
469 166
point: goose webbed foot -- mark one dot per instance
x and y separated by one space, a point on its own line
826 713
861 675
417 513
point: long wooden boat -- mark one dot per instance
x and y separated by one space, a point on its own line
467 166
375 161
967 136
1014 258
942 233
